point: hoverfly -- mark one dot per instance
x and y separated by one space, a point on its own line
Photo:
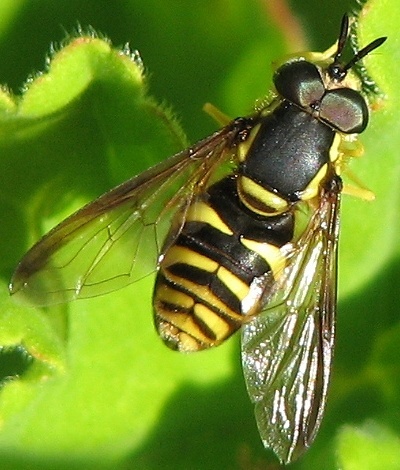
242 229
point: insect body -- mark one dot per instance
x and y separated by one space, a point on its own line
243 227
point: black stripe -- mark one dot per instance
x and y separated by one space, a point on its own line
210 280
224 249
162 279
174 308
203 327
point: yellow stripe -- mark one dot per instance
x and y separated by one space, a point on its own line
179 254
272 255
268 201
183 322
233 283
189 344
202 212
180 340
314 186
244 147
214 322
169 295
334 150
204 293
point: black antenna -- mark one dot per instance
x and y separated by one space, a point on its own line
337 70
343 35
364 51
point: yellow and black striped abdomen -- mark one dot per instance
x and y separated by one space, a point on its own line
203 291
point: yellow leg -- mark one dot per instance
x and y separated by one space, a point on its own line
358 192
314 57
347 150
216 114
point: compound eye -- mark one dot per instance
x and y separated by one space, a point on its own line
300 83
345 110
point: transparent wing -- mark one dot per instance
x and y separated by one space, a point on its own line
117 239
287 349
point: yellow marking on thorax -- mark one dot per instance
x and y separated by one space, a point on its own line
334 150
233 283
268 201
272 255
202 212
314 187
244 147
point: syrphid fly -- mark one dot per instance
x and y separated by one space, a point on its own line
242 230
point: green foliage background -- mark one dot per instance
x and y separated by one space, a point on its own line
89 385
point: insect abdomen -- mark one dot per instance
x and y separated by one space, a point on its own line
204 288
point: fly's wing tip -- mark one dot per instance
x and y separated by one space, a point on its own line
32 291
281 441
16 286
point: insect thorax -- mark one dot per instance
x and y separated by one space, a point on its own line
290 149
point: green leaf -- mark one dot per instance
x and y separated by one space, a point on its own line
379 168
371 446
